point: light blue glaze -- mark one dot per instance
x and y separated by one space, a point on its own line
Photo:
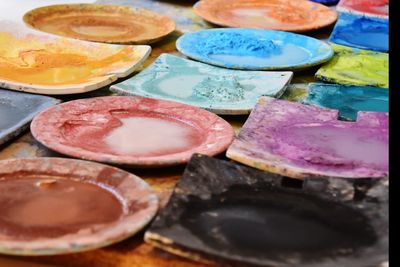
254 49
371 33
348 99
217 89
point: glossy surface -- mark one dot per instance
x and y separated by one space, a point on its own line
46 64
216 89
284 15
347 99
298 141
17 110
367 7
318 222
134 131
360 31
356 67
254 49
31 224
101 23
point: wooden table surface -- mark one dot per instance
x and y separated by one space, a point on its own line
133 252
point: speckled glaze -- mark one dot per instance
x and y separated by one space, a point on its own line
218 90
81 128
379 8
361 31
131 190
348 99
356 67
18 109
300 140
43 63
101 23
254 49
284 15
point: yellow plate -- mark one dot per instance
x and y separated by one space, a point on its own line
101 23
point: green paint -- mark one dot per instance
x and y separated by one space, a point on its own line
357 67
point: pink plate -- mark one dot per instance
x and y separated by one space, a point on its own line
131 130
378 8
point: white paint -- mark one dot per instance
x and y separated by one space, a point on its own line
180 86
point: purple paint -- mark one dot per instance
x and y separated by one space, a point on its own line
300 140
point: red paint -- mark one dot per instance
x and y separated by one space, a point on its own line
376 7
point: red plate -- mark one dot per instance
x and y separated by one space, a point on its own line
378 8
130 130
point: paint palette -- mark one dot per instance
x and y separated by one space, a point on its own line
378 8
356 67
101 23
237 216
133 131
46 64
348 99
254 49
299 140
360 31
219 90
99 205
266 14
18 109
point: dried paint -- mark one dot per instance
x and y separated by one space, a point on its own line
356 67
368 7
363 32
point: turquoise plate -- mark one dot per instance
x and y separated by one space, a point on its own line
218 90
254 49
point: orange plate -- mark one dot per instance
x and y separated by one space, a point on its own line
101 23
284 15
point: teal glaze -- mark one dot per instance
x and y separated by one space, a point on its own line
219 90
254 49
348 99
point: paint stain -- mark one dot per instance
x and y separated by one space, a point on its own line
34 207
377 7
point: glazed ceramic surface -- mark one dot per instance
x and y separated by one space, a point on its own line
300 140
360 31
219 90
134 131
18 109
38 188
46 64
348 99
101 23
356 67
284 15
236 216
378 8
254 49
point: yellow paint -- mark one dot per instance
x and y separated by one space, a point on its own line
35 60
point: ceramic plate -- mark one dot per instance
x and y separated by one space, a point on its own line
134 131
57 206
219 90
266 14
356 67
238 216
46 64
300 140
378 8
254 49
326 2
101 23
348 99
18 109
363 32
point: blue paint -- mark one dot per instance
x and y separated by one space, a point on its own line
253 49
370 33
348 99
326 2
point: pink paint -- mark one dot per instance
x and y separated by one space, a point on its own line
375 7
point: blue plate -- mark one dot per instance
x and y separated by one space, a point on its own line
365 32
326 2
254 49
348 99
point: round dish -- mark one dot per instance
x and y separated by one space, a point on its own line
134 131
56 195
101 23
254 49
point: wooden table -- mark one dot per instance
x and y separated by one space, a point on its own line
133 252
